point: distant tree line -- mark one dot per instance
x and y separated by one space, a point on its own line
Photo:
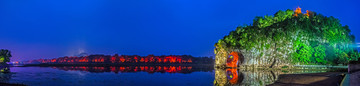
126 59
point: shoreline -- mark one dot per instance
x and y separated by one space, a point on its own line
312 79
11 84
91 65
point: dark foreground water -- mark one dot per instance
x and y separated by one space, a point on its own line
110 76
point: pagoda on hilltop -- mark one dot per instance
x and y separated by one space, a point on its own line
298 11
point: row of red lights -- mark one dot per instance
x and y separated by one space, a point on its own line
118 59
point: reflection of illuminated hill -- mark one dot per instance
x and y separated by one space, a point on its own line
126 69
243 77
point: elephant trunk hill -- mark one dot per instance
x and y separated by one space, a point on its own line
288 38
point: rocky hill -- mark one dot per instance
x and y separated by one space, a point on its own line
288 38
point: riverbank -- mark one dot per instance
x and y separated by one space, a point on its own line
310 79
114 64
8 84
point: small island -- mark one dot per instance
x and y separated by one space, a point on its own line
4 58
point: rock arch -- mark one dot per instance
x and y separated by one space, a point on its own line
234 59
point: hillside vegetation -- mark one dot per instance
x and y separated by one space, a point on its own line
290 37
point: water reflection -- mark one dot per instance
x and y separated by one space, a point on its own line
4 68
233 76
105 76
225 77
4 75
128 69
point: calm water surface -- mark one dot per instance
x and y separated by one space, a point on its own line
109 76
141 76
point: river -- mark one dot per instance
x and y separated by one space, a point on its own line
139 76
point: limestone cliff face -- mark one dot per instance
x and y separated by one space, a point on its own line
256 56
276 53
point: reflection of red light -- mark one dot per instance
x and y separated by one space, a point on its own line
171 69
142 68
189 68
178 68
146 68
149 69
158 68
84 68
113 69
232 75
98 68
165 68
152 68
135 69
121 69
127 68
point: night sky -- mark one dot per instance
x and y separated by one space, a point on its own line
34 29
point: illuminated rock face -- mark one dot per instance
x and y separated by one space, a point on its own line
228 59
276 43
220 57
232 59
258 57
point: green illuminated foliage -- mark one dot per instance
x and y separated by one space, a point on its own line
315 39
5 55
319 54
